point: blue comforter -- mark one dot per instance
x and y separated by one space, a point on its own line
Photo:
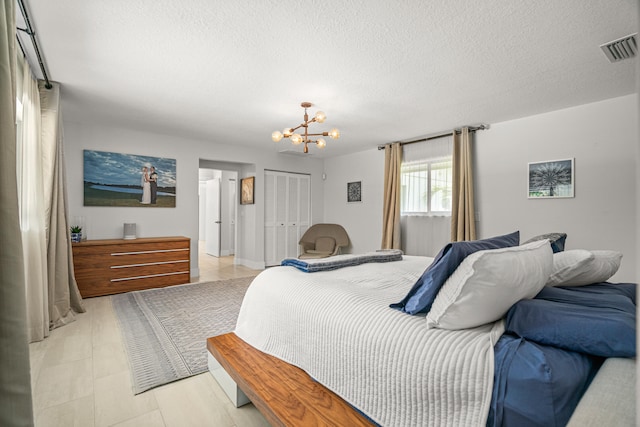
552 348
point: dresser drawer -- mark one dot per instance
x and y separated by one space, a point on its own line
123 248
110 260
139 270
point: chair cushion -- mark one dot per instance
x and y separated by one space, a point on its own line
325 244
314 255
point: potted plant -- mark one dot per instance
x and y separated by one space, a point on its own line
76 233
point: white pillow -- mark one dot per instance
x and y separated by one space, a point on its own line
487 283
600 269
568 264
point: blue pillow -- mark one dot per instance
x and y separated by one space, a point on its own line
557 240
424 291
625 289
536 385
594 319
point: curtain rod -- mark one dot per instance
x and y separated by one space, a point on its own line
32 34
440 135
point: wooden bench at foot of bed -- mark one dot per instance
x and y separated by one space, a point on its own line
283 393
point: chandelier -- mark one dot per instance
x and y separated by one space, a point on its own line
297 139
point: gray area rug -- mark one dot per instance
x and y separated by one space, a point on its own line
165 330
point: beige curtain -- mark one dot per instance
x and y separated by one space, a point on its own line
50 285
30 201
15 378
51 289
391 204
63 295
463 225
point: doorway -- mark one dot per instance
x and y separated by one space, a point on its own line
217 218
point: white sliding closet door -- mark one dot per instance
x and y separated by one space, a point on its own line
287 214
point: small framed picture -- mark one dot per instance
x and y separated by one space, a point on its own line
551 179
354 191
246 194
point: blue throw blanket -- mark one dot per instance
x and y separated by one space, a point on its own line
340 261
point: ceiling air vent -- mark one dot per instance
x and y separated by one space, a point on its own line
620 49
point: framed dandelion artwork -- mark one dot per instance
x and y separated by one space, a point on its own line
551 179
354 191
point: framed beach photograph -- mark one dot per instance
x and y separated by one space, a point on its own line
551 179
354 192
117 179
247 186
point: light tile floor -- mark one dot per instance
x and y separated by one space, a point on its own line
80 375
212 268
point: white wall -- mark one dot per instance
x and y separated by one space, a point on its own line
106 222
602 137
363 221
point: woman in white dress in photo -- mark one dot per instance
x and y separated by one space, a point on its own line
146 187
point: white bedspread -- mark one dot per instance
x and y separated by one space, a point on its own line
338 327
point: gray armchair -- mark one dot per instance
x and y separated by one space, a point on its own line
323 240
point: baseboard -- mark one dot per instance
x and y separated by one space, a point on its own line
254 265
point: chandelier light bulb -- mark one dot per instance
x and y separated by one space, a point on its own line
320 117
287 132
334 133
321 143
276 136
296 139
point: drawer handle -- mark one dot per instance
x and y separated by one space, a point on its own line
147 276
148 263
148 252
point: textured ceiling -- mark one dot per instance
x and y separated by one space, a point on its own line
233 71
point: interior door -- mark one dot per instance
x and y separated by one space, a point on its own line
213 221
293 216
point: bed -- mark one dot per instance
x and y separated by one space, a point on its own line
354 331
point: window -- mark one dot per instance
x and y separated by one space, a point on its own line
426 186
426 177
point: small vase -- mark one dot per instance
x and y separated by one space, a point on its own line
76 237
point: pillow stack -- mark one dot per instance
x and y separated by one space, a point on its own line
472 283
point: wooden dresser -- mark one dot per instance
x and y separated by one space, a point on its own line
104 267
